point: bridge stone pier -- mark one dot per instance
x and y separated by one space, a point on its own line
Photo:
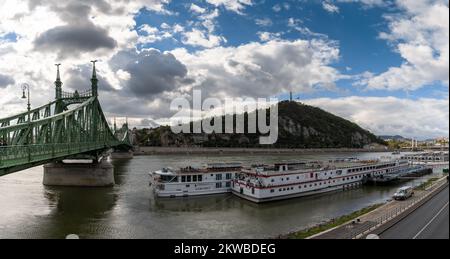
92 174
122 155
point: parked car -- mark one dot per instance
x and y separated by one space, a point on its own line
404 193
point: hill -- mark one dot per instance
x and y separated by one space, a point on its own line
300 126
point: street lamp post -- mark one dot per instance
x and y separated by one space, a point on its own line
26 87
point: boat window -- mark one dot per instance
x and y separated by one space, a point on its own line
287 179
228 176
273 180
253 190
272 191
200 178
218 177
183 179
228 184
194 178
188 178
168 179
218 185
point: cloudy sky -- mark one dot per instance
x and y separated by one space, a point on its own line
381 63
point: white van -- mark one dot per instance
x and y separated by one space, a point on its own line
404 193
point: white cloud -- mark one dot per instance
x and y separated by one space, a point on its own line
329 7
297 25
422 118
263 69
264 22
232 5
268 36
421 36
277 8
368 3
197 9
208 20
152 34
287 6
198 38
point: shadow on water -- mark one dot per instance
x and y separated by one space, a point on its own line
83 211
120 170
76 210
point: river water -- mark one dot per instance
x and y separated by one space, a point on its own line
129 210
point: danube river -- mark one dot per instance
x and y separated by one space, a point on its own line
129 210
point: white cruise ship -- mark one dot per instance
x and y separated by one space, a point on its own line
190 181
290 180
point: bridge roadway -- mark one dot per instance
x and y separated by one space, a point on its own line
430 221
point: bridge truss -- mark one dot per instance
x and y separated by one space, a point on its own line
55 131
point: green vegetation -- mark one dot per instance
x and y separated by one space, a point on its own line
332 224
398 144
300 126
316 128
426 184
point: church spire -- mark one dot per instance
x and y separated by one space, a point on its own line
94 79
58 83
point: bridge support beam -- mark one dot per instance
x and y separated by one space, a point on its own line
79 174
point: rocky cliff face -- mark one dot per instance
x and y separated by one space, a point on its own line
310 127
300 126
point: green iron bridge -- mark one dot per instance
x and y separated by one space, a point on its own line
72 126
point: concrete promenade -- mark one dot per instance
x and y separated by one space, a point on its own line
384 219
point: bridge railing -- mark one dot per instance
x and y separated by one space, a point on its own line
75 95
20 155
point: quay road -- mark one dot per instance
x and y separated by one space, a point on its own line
430 221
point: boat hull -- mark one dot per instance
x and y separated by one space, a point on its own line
297 195
191 193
